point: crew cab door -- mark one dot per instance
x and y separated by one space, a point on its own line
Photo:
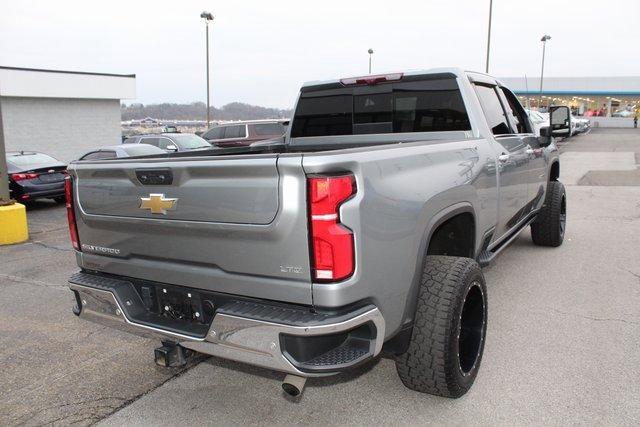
512 159
537 163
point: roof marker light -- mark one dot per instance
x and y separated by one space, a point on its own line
371 80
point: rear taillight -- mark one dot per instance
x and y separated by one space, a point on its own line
332 253
23 176
71 215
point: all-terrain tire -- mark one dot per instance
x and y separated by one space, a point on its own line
449 328
549 227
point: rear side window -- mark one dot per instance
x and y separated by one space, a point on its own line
422 106
165 142
493 111
239 131
140 150
263 129
97 155
215 133
150 141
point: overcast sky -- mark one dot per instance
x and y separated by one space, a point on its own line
263 50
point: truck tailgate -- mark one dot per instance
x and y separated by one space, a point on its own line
233 224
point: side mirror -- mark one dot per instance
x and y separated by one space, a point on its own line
545 136
172 147
545 131
559 117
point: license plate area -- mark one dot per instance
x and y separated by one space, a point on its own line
51 177
180 305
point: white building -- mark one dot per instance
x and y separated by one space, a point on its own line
62 113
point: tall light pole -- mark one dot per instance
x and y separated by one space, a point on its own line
207 17
544 46
486 69
370 53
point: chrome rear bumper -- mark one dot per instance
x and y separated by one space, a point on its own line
248 340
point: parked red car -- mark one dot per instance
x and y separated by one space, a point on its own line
244 133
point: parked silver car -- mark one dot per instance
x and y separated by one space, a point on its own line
121 151
172 142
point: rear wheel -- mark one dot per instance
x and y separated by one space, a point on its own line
449 328
549 227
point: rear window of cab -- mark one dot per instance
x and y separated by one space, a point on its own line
434 105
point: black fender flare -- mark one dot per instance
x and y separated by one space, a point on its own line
554 162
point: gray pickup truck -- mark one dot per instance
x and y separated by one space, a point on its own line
362 232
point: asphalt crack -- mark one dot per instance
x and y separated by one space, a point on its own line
633 274
593 318
50 230
34 282
48 246
79 412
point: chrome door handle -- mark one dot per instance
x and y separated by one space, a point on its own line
503 158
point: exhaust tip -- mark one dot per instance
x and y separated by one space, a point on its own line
293 385
290 389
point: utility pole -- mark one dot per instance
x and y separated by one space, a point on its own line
370 54
207 17
486 70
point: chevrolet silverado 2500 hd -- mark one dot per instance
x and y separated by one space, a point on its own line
364 229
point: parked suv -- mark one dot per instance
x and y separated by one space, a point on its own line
238 134
364 231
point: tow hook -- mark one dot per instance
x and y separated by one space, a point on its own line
170 355
293 385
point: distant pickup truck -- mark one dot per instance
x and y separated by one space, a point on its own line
364 230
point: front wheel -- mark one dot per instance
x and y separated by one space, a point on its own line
549 227
449 328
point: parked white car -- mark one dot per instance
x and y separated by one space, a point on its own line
538 120
581 124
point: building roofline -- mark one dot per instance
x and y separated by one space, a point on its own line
88 73
534 92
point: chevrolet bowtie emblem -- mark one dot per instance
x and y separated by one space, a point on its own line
157 203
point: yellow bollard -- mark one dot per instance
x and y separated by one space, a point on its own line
13 224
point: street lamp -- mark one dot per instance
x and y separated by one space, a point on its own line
544 45
370 53
486 70
207 17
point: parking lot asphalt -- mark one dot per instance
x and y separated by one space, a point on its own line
57 368
563 344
